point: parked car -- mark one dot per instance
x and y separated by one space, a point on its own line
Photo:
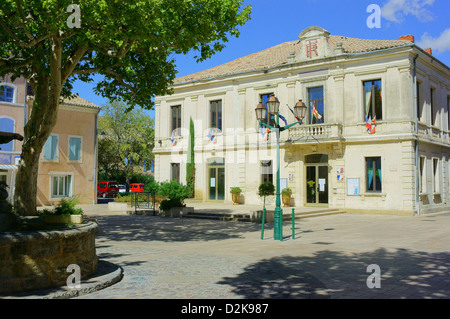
108 188
122 188
137 187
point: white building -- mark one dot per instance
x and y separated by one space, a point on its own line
378 142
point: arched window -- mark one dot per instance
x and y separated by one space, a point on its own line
6 93
7 125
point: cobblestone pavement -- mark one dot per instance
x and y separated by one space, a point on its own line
190 258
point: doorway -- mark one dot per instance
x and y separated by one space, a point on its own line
316 180
216 179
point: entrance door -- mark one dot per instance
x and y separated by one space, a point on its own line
216 180
317 180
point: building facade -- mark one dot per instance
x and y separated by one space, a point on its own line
375 137
68 162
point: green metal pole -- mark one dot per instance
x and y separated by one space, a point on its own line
278 214
293 224
263 221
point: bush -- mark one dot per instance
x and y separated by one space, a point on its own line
65 207
266 189
175 192
235 190
286 191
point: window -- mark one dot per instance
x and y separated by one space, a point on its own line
176 117
373 175
216 114
269 119
75 149
175 172
6 94
61 186
316 105
51 148
418 102
7 125
433 106
373 103
266 171
422 175
436 175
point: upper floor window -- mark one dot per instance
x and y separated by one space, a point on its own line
316 105
373 177
6 93
51 148
419 103
433 106
373 102
216 114
75 149
269 119
7 125
176 117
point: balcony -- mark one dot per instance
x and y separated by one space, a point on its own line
316 132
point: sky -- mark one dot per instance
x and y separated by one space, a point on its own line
277 21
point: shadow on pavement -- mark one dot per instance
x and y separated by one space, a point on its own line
404 274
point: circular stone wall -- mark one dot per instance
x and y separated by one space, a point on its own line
39 259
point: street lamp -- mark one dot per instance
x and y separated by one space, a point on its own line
273 106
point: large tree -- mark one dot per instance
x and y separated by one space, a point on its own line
128 143
129 42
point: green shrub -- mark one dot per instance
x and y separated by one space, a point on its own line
266 189
235 190
175 193
65 207
286 191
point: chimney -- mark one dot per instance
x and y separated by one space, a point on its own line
429 51
407 37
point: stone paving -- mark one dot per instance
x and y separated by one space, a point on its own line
165 258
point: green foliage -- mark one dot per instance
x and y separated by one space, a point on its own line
286 191
152 188
65 207
175 192
266 189
235 190
190 165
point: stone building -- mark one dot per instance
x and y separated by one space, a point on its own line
375 137
68 162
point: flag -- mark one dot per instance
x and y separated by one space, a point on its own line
283 118
316 114
292 111
370 124
212 135
264 132
172 138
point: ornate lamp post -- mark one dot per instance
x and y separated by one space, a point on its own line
272 109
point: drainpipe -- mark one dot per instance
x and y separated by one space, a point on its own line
416 142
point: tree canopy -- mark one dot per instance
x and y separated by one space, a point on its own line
129 42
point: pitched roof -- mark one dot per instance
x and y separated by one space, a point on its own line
279 54
79 101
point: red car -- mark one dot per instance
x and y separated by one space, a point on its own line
137 187
109 188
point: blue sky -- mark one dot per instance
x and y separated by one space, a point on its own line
274 22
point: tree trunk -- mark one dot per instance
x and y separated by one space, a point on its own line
37 130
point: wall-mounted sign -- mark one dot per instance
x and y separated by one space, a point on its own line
353 186
291 177
340 174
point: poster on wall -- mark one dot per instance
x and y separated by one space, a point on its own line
353 186
283 183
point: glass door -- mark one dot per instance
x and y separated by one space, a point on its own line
216 181
316 184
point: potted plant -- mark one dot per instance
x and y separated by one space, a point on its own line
175 194
64 213
235 194
266 189
286 196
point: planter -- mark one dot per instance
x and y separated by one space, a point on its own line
286 200
235 197
176 212
63 219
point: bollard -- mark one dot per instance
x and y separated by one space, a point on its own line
293 224
263 221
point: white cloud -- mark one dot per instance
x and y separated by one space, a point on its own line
440 44
397 10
